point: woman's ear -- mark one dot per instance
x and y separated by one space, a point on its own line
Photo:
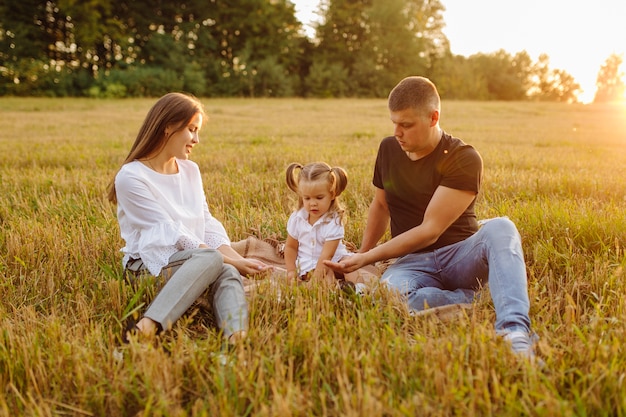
169 129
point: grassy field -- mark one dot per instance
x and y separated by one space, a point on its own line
558 171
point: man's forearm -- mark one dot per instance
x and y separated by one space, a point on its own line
377 223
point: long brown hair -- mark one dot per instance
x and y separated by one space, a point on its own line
336 178
173 110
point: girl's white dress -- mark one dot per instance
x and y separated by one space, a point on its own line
311 238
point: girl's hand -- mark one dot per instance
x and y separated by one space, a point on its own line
323 273
291 276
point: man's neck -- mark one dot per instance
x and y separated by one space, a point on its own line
434 140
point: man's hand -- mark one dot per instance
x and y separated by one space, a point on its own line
348 264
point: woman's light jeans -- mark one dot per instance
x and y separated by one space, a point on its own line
450 275
200 273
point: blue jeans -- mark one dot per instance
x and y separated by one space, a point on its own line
452 274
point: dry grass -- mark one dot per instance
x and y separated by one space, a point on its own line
558 171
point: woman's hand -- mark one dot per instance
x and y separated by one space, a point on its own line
245 266
250 267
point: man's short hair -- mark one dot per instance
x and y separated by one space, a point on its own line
414 92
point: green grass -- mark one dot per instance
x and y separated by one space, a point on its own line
556 170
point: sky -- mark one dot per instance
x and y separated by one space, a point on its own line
577 35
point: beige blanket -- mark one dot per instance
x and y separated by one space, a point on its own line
271 252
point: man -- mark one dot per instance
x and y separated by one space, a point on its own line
426 185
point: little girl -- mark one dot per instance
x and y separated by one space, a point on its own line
315 230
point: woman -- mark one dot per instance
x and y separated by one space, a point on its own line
168 229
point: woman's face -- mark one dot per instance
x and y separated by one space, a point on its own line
181 142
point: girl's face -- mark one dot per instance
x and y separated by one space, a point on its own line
181 142
316 198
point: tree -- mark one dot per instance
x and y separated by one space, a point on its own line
217 47
457 78
507 77
378 42
259 43
610 81
552 84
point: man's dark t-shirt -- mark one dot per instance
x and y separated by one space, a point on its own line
409 185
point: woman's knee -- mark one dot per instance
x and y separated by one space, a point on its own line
208 253
209 257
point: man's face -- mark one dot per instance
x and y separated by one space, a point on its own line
413 131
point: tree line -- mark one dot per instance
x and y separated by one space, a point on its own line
251 48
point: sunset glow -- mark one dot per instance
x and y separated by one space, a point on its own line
577 35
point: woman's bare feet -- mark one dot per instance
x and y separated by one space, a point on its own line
237 337
145 329
148 327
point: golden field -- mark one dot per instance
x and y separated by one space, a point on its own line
557 170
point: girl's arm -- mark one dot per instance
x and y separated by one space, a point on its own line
328 251
291 254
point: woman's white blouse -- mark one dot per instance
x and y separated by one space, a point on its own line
311 238
160 214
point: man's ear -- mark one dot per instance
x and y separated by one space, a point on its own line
434 118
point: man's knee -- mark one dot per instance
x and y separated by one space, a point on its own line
500 231
500 225
405 282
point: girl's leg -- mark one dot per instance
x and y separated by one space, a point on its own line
368 274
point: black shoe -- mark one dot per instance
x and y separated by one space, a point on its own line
130 329
347 286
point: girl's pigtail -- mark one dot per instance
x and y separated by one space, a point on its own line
341 180
291 178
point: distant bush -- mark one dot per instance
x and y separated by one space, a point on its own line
139 82
32 77
110 90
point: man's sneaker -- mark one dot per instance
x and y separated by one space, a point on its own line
523 345
360 288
